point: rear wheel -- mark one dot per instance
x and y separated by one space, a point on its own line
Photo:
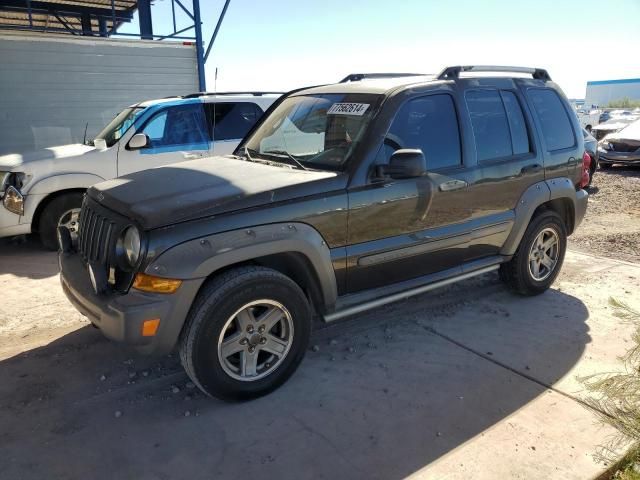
61 211
539 257
246 334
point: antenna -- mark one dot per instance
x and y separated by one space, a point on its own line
84 139
213 130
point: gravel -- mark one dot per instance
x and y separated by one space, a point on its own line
612 224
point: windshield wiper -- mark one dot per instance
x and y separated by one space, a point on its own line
286 154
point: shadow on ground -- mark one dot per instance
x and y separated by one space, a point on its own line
386 394
25 256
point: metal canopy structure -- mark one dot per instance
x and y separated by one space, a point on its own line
104 17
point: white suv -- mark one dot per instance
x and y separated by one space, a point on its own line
43 190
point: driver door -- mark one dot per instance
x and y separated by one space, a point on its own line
176 133
401 229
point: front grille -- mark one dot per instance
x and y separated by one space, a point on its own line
623 147
95 234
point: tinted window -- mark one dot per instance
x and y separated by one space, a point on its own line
490 126
519 137
182 125
234 120
556 126
430 124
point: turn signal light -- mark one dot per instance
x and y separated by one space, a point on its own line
149 283
150 327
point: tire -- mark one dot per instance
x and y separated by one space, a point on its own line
52 214
215 320
518 274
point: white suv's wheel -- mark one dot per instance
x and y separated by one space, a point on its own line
246 333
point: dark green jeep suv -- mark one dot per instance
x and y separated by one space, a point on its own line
342 198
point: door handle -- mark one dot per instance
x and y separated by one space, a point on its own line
535 168
452 185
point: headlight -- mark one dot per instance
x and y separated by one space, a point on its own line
605 145
130 241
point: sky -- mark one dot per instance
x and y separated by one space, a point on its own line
284 44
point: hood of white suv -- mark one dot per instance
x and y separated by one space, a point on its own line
14 161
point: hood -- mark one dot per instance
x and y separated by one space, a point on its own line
199 188
13 161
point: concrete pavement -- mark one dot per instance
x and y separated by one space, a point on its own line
470 381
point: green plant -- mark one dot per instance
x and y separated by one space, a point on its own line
625 102
615 397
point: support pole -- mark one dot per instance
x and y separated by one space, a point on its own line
202 83
215 32
144 14
85 22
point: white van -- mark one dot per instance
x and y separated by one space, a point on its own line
43 190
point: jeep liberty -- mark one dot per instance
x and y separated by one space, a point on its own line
342 198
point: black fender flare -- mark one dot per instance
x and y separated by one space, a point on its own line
201 257
532 198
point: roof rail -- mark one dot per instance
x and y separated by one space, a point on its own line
356 77
255 94
451 73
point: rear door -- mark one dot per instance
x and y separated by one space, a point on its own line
403 229
507 164
561 158
231 121
176 133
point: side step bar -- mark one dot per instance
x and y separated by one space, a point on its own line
362 307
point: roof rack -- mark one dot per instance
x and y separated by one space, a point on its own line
450 73
255 94
356 77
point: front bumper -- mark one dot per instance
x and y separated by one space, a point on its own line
120 317
628 158
10 223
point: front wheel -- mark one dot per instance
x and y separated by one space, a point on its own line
539 257
246 333
63 210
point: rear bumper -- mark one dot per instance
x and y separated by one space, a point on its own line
582 198
120 317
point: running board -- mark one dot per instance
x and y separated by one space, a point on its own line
362 307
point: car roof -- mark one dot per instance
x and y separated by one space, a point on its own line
387 83
210 98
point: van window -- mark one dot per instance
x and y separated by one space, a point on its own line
490 125
233 120
430 124
179 126
556 126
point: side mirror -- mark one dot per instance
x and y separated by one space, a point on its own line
404 163
138 141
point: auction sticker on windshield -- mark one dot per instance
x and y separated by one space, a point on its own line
348 109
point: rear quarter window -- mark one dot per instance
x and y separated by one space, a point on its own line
557 130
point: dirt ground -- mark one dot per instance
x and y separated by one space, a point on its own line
465 382
612 224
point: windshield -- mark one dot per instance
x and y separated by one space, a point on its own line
119 125
318 131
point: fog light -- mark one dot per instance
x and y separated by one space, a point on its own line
13 200
150 327
149 283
